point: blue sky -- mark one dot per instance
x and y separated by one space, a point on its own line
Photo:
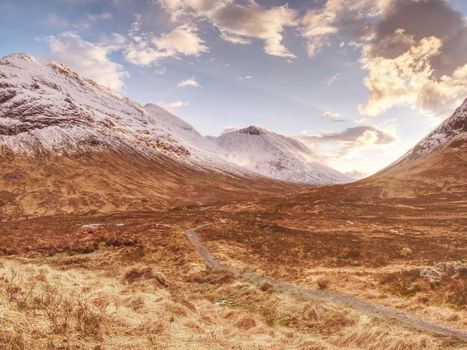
310 68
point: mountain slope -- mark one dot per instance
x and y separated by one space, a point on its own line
46 107
437 164
275 156
452 130
70 145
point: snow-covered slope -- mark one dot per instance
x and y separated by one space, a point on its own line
275 156
453 129
46 107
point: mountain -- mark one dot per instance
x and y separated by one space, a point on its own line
437 164
46 107
275 156
70 145
427 186
452 132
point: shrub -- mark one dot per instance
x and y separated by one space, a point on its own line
322 283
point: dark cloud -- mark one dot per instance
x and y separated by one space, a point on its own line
420 19
358 134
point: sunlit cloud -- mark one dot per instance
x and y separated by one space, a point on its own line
412 62
188 83
172 106
89 59
148 48
352 150
240 23
332 116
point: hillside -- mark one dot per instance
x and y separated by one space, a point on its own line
69 145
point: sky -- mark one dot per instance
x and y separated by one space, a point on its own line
360 81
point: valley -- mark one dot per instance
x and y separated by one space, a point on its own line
107 205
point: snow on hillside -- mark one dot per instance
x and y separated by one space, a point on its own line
453 128
275 156
45 106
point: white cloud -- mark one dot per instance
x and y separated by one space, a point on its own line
172 106
97 17
182 8
332 79
160 70
148 48
318 26
363 149
417 58
239 24
352 138
413 50
332 116
409 79
90 60
188 83
181 40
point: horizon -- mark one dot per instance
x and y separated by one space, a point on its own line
281 68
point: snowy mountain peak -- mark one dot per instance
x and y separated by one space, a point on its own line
276 156
18 56
253 130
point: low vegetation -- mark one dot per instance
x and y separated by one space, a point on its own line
135 282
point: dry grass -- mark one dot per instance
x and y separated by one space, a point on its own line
141 286
42 307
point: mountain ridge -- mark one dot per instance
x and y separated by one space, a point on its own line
47 107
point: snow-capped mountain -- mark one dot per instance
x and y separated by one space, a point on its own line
275 156
46 107
452 130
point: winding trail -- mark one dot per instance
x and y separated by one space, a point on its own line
329 296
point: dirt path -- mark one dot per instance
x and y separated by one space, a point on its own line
330 296
202 250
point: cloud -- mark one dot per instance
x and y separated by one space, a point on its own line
240 24
97 17
319 25
399 80
334 117
415 51
182 8
148 48
188 83
57 21
172 106
332 79
364 148
253 21
54 20
90 60
413 62
352 138
181 40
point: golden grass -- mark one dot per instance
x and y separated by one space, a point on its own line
45 307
